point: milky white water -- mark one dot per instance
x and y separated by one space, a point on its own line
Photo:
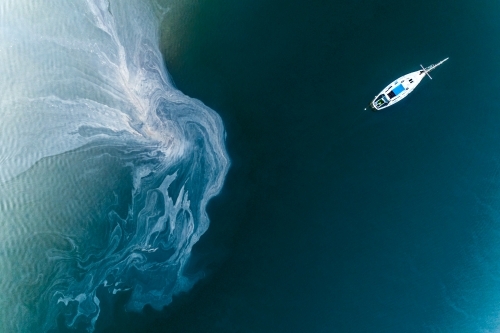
105 167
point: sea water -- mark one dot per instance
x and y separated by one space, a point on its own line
349 220
105 167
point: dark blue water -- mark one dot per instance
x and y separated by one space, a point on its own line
332 218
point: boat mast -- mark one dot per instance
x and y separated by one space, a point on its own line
426 72
431 67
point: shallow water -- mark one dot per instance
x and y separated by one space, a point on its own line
106 168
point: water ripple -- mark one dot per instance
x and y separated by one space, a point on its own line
105 168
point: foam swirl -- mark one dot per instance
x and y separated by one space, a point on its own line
105 167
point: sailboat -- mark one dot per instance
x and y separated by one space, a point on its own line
402 87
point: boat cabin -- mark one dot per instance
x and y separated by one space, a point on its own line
381 101
396 91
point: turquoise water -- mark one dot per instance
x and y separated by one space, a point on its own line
330 219
106 167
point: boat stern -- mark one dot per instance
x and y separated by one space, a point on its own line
379 102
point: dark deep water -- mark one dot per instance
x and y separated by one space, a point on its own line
332 218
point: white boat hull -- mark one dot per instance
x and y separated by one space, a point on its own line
397 90
400 88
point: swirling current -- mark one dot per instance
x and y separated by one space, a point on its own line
105 167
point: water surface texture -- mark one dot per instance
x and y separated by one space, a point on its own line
105 167
332 218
